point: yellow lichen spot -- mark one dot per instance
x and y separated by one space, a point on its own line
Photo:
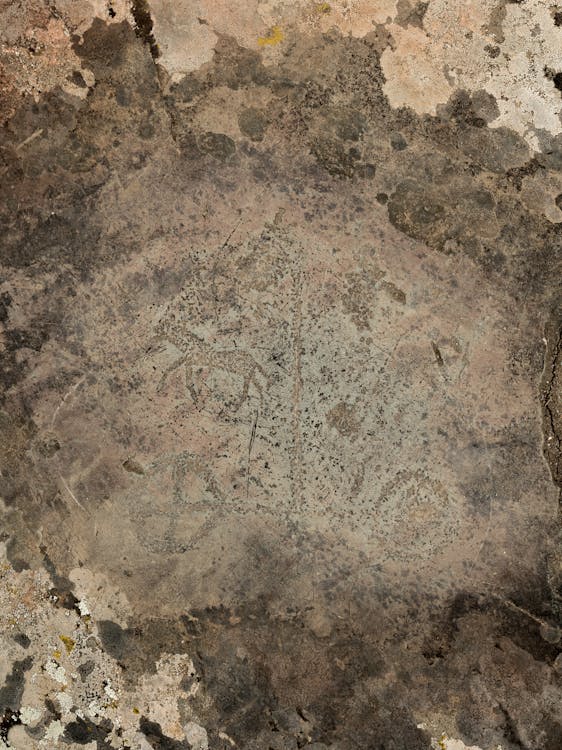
442 742
135 710
274 36
57 654
68 643
323 8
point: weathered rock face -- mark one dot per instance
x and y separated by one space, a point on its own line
280 385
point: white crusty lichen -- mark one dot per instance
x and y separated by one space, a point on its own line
29 715
56 672
196 735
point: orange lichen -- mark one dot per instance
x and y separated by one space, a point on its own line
68 643
274 36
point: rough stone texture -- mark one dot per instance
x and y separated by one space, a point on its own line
280 375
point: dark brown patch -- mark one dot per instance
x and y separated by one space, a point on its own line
84 731
144 24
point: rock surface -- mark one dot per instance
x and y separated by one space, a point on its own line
280 395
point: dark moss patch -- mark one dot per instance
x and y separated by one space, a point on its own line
103 45
188 89
413 211
252 122
461 111
218 145
12 690
72 237
77 79
497 149
5 302
85 669
332 155
115 639
398 142
236 67
410 14
349 123
13 368
554 76
157 739
84 731
138 648
365 171
22 640
518 174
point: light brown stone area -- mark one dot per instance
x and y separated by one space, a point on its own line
280 338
